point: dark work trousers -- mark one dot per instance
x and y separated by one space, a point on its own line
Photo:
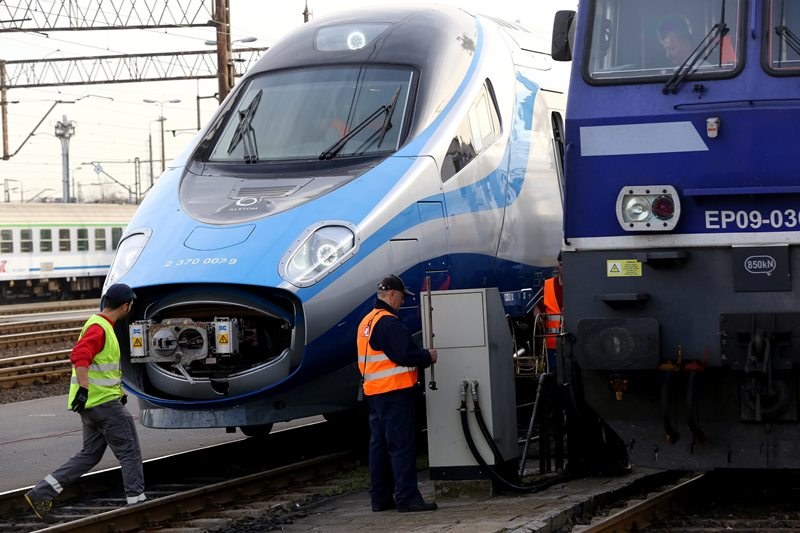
393 448
108 424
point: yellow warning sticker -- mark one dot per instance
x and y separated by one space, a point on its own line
222 339
137 342
623 268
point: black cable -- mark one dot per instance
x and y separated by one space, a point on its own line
498 455
491 471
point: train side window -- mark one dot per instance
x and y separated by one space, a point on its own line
479 129
116 235
83 240
100 239
460 153
45 240
6 241
26 241
64 242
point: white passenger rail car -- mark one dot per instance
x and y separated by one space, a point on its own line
57 250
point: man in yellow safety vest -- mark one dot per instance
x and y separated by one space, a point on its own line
95 393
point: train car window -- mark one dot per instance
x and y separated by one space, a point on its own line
6 241
116 235
460 152
781 53
479 129
26 241
303 114
83 240
99 239
64 240
45 240
636 41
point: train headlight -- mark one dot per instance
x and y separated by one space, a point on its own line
128 252
351 37
648 208
318 252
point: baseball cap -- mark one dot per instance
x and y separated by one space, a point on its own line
117 294
393 283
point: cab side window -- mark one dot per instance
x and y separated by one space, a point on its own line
480 128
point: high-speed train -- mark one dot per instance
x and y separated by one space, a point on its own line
423 142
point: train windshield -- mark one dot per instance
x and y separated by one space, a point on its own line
783 26
637 41
317 113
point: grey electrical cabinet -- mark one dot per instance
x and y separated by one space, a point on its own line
472 336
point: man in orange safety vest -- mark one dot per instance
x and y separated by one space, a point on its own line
388 359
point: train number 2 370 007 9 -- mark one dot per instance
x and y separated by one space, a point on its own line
191 261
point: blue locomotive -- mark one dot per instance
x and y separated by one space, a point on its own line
681 228
423 142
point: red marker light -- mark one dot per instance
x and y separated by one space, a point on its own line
663 207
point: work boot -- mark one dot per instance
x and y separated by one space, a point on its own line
418 507
40 506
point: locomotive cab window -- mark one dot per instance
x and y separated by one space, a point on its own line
782 47
6 241
480 128
319 113
650 40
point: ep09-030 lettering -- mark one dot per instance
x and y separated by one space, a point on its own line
753 219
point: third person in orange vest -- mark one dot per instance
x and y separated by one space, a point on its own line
388 359
553 308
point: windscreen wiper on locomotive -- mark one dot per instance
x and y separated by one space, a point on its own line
335 148
789 37
698 55
245 132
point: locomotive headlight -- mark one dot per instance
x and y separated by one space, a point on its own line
344 37
128 252
318 252
648 208
636 209
356 40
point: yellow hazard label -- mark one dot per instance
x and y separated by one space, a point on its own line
623 268
137 342
222 339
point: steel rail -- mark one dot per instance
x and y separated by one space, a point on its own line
640 515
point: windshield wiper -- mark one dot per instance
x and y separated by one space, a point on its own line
789 37
387 122
245 132
335 148
698 55
385 127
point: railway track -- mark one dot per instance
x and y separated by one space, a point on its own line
34 348
714 502
31 369
215 485
33 309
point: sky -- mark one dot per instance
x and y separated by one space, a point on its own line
114 126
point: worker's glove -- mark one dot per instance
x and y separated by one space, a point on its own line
79 403
124 399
